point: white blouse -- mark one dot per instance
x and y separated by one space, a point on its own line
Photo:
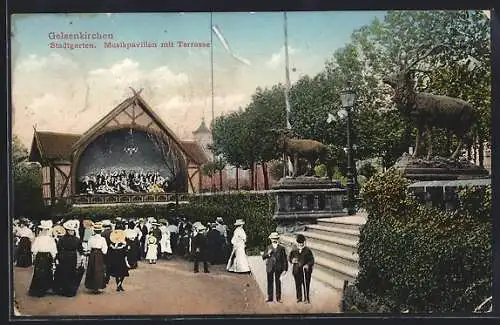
138 232
98 242
44 244
25 232
130 233
239 237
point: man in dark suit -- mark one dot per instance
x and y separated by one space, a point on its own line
200 249
144 231
213 245
302 260
276 266
157 233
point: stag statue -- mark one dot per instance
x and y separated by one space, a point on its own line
310 150
429 110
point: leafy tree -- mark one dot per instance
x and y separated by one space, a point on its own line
404 34
379 130
27 183
234 138
219 165
266 112
209 169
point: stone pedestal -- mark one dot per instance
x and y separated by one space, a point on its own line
438 168
302 200
443 194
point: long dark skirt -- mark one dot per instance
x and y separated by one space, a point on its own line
133 252
117 265
24 258
94 277
65 281
42 275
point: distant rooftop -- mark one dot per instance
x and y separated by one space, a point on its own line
202 128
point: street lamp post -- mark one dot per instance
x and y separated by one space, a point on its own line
348 98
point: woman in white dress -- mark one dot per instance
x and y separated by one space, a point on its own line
166 249
238 261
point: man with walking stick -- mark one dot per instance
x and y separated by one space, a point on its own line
302 260
276 266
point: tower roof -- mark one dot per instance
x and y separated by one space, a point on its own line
202 128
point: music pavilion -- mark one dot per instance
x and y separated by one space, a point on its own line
129 140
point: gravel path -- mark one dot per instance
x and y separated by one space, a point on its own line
166 288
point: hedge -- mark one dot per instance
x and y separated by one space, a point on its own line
255 208
424 259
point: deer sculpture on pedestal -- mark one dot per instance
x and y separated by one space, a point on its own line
428 110
311 150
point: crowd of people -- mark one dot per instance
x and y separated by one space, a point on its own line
63 252
120 182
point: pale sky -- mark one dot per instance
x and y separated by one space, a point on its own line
64 90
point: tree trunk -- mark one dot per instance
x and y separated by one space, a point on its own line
220 180
481 152
256 178
237 179
266 176
475 149
469 152
252 171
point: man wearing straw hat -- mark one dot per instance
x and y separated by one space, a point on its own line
276 266
302 260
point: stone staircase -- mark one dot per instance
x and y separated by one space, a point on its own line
333 242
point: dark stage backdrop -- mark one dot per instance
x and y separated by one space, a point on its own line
115 151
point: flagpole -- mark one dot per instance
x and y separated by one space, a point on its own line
212 65
287 90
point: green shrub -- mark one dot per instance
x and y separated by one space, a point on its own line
255 208
367 170
424 258
355 301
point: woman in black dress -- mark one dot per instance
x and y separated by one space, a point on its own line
132 238
45 250
95 276
65 280
118 263
24 256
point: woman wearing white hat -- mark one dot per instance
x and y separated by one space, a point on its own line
165 246
45 250
24 256
68 247
238 261
118 263
95 277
